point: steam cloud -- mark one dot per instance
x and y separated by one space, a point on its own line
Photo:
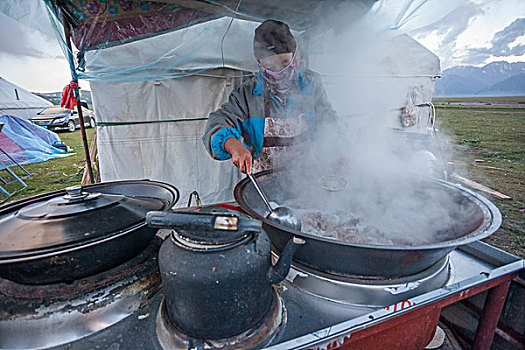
382 162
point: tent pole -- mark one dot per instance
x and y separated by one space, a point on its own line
67 32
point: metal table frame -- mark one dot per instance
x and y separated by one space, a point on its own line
347 334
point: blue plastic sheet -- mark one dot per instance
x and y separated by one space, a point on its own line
27 143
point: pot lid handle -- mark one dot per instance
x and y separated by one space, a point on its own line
75 194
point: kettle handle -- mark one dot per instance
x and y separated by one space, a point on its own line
201 222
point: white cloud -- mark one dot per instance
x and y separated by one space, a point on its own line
510 59
31 59
478 33
35 74
504 43
442 36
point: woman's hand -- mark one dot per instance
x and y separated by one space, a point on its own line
241 157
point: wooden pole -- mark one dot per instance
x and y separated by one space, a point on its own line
478 186
93 155
67 33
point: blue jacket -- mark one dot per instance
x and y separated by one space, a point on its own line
242 116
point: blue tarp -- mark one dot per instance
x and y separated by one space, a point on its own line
27 143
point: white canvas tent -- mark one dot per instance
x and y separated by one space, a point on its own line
165 143
169 148
19 102
153 129
157 71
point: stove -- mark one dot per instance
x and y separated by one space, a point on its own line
170 338
368 292
318 318
124 308
317 322
41 316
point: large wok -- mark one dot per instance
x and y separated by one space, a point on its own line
69 234
471 217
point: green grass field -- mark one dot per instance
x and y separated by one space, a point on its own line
488 147
481 99
55 173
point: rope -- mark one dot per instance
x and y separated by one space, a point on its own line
227 30
149 121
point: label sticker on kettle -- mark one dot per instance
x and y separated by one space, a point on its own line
226 223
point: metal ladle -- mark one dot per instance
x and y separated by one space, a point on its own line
281 215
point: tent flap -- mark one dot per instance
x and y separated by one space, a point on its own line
168 148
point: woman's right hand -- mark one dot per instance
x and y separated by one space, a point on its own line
241 157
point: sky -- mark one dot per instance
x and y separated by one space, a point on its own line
475 33
478 33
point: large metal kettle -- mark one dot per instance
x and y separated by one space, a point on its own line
217 272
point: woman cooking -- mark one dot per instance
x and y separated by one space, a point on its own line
270 115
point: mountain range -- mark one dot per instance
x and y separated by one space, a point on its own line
495 79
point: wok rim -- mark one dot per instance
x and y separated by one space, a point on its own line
490 224
60 250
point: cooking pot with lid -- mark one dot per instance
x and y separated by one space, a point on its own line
80 231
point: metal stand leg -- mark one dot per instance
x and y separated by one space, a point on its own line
12 174
4 192
16 177
490 316
15 162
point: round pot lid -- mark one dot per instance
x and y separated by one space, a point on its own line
70 218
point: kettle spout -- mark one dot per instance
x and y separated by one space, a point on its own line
279 271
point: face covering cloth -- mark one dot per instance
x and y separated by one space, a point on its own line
280 82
